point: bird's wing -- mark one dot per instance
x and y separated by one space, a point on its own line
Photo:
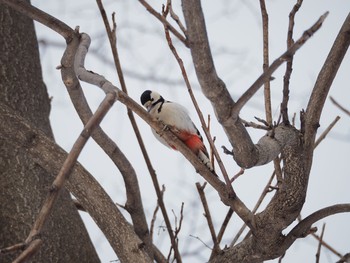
176 116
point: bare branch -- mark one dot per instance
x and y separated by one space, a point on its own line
255 125
175 16
207 215
29 252
286 78
322 86
19 246
267 92
344 259
224 224
339 106
318 253
164 22
69 75
304 225
326 131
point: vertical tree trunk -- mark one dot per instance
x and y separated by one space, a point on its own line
23 183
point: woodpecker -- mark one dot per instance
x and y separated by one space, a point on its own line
176 117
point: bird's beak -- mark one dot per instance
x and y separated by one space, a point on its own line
148 105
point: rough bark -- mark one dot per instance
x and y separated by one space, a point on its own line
23 182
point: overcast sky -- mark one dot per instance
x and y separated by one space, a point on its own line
234 29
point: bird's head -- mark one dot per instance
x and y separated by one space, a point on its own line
149 98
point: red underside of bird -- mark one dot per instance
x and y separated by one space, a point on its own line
192 141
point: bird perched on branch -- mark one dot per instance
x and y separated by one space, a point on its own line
176 117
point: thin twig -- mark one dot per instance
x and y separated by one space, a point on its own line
29 252
255 125
212 161
19 246
78 205
326 131
178 226
287 75
267 92
318 253
177 231
164 22
224 224
207 215
241 171
175 17
339 106
154 217
201 241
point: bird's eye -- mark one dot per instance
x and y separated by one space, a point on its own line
152 99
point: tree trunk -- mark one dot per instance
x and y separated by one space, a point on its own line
23 183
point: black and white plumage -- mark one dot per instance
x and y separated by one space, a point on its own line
176 117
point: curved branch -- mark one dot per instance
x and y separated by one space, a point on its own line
301 229
322 86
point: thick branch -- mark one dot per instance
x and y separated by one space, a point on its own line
322 86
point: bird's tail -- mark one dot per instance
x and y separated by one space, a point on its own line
203 156
195 143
